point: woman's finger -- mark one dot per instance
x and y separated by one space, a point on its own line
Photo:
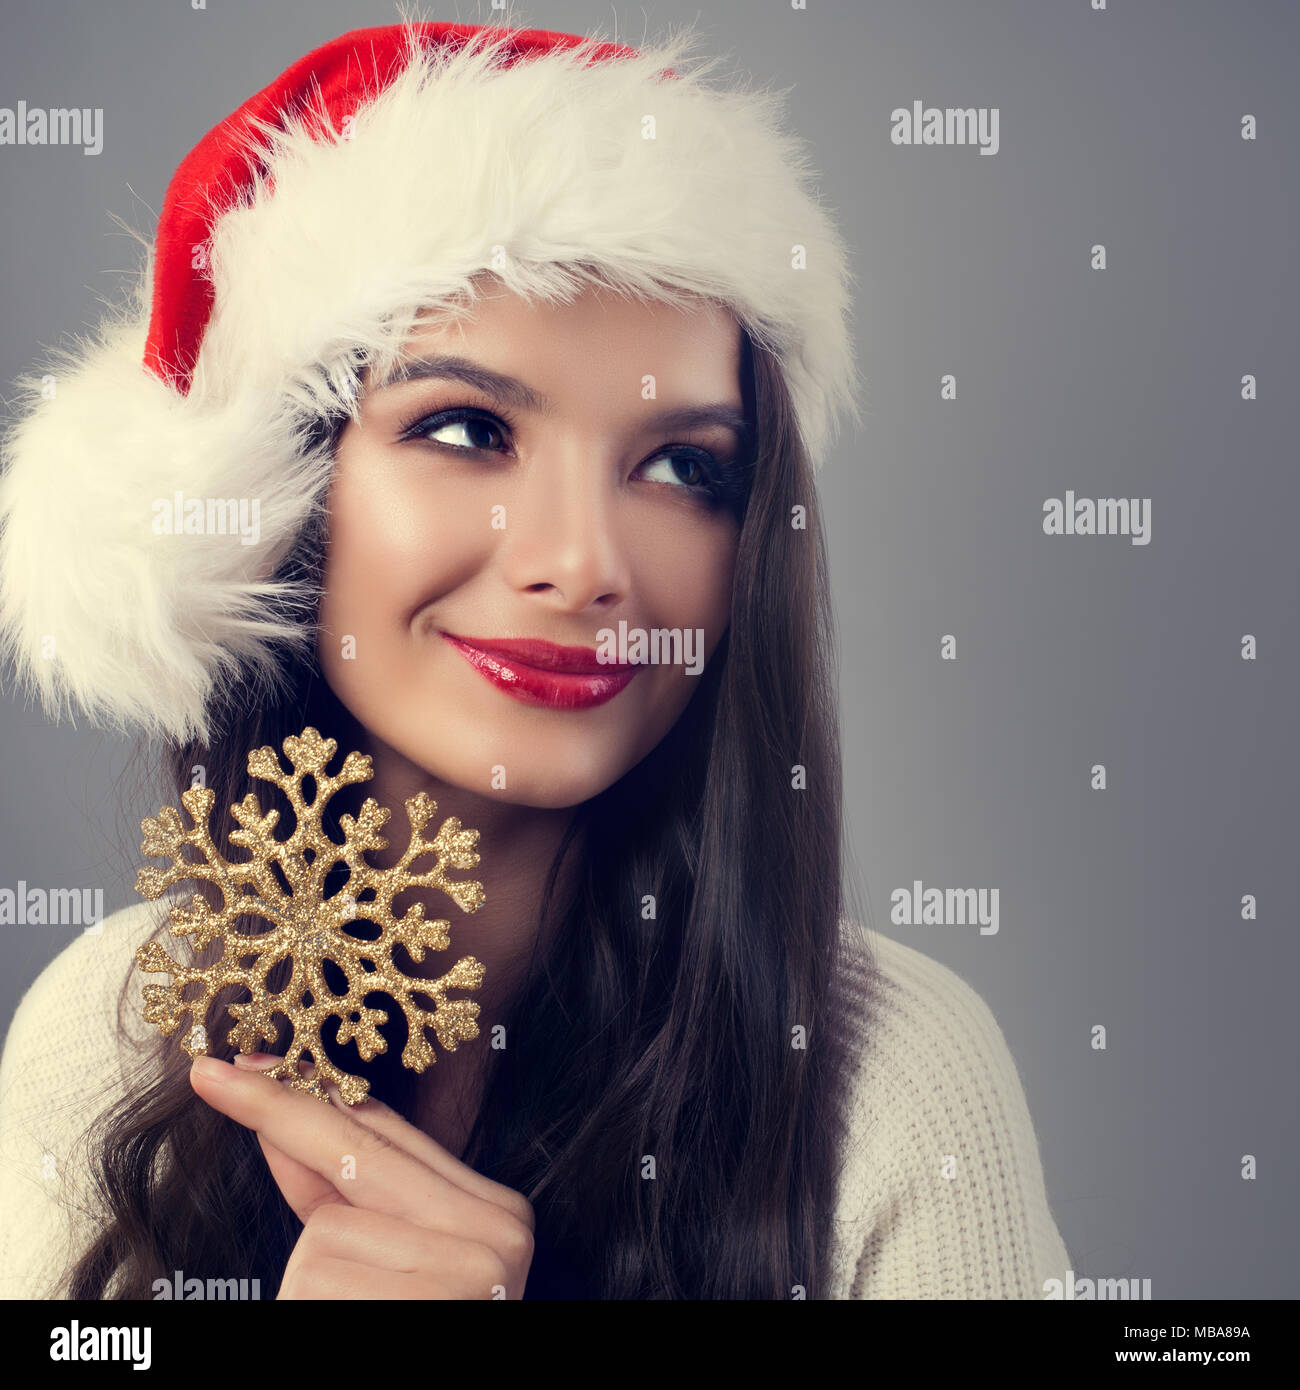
362 1165
302 1187
343 1279
386 1121
369 1237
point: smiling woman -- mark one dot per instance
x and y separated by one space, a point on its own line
545 526
483 432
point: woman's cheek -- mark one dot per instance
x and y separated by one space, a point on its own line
687 574
395 545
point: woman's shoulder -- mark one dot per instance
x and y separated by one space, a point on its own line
942 1192
68 1033
920 1021
67 993
65 1058
908 996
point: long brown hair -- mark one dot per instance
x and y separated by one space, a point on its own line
678 1037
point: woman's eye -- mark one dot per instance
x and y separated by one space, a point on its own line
468 432
471 431
686 469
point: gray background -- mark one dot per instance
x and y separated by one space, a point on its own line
1119 907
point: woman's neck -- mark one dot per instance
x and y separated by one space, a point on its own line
518 845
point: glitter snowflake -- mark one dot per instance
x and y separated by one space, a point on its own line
307 927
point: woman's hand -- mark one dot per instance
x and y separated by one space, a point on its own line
387 1212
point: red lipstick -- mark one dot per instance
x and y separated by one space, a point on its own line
543 673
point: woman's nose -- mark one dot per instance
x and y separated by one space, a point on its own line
562 534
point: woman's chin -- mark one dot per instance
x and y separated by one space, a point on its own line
550 789
552 782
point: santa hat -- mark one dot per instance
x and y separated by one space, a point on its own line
302 235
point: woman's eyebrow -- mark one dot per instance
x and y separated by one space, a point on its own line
506 388
699 417
521 396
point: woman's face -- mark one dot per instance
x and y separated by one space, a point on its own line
533 488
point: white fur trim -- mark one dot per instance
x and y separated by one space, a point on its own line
333 254
101 613
547 161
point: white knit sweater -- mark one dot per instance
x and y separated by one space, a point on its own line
937 1080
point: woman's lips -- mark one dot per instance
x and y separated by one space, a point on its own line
542 673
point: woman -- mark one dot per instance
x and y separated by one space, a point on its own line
507 344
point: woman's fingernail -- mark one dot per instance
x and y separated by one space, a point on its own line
212 1068
255 1061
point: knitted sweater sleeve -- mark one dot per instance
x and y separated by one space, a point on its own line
65 1060
942 1193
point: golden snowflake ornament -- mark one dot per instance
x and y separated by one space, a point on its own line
307 927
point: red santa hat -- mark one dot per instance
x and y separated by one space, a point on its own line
373 179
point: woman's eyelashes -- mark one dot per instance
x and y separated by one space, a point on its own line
468 430
477 427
